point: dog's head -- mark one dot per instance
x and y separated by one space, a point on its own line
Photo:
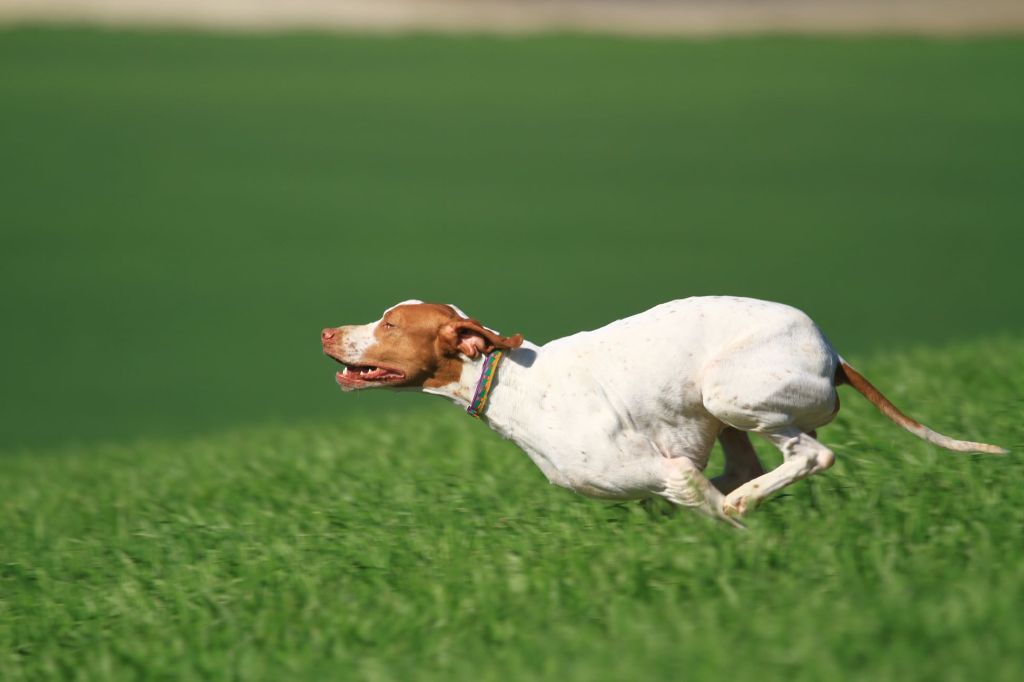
413 345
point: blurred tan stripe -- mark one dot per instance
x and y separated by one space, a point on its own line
626 16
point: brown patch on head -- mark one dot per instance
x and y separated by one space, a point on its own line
408 335
426 342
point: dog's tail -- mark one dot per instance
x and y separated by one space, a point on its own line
848 375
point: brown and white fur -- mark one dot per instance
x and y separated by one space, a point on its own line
633 409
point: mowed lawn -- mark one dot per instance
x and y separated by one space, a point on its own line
421 546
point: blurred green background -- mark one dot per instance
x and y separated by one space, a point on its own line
182 213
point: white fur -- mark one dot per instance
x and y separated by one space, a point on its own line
358 338
634 408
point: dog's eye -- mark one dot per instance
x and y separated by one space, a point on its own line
388 325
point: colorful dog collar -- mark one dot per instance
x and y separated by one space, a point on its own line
483 387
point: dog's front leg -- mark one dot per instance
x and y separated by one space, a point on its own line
687 486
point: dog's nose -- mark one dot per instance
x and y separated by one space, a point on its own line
327 334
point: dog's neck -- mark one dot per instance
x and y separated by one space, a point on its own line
509 392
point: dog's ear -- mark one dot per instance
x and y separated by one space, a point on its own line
471 338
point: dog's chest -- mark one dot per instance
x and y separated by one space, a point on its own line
600 451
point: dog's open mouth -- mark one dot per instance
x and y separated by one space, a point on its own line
360 376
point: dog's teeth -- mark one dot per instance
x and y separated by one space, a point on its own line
344 371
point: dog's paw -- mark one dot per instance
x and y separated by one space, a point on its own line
735 507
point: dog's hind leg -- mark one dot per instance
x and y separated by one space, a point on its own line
803 456
741 462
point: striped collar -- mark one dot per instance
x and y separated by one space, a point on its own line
483 387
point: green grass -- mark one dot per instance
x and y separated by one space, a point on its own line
422 546
182 213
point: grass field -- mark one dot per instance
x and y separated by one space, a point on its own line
184 493
424 547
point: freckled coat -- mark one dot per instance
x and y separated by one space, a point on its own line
607 405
